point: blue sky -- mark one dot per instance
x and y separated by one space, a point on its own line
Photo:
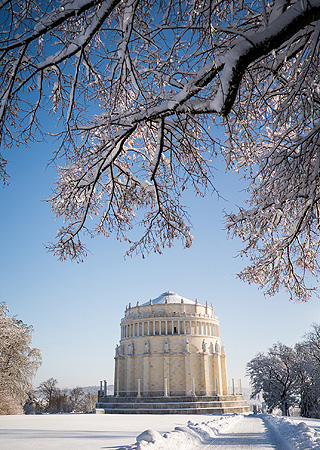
76 308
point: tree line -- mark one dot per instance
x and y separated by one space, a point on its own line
289 377
49 398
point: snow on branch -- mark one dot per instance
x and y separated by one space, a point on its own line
137 86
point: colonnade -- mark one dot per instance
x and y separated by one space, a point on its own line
169 327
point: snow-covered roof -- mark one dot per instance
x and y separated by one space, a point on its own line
170 297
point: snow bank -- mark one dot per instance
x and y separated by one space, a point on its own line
185 437
297 435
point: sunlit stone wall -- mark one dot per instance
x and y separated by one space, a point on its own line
170 346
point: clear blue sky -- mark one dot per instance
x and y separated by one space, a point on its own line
76 308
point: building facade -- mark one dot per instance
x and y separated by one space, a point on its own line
170 346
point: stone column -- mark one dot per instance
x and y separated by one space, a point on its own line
139 387
118 387
166 387
239 387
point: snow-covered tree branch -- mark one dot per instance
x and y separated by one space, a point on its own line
288 377
275 376
137 87
18 362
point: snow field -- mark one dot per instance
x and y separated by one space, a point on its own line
169 432
88 431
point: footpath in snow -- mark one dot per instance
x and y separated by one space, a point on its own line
235 432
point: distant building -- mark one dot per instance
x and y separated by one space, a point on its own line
170 349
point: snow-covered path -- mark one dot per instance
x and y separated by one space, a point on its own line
248 433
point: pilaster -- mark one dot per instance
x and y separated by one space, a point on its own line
128 373
145 385
166 371
187 365
205 373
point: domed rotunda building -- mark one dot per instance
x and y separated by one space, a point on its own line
170 359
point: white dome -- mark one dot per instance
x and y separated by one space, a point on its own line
170 297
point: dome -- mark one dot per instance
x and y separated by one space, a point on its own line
170 297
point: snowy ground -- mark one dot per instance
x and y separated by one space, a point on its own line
170 432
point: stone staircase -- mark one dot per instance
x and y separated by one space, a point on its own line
223 404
